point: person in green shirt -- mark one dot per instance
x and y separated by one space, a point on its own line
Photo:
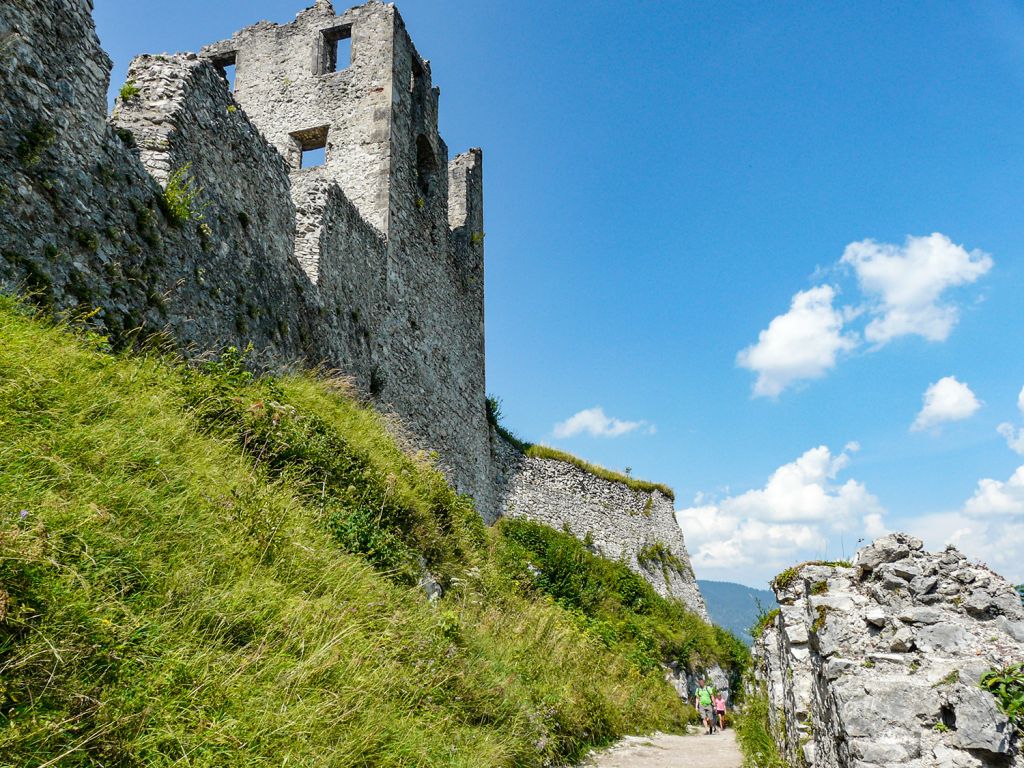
704 700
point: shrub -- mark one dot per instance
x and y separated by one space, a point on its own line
1007 685
129 91
764 620
614 602
35 142
180 201
660 555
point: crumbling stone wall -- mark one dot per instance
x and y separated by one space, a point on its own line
878 664
620 523
418 345
371 263
351 265
81 221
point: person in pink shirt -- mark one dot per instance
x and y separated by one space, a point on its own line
720 709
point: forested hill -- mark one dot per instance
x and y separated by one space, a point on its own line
735 607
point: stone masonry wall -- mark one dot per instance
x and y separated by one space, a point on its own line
351 265
81 224
620 521
878 664
418 345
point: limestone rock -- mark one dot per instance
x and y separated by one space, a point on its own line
883 669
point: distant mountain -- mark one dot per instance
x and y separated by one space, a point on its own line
734 606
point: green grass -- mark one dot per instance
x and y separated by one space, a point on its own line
202 568
537 451
785 579
614 603
753 732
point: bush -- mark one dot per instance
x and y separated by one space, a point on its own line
129 91
660 555
613 602
1007 685
180 201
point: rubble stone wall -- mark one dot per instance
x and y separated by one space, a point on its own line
879 663
618 521
371 263
351 265
81 220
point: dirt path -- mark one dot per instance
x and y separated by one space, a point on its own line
665 751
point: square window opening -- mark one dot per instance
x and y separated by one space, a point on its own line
336 49
225 64
311 158
310 147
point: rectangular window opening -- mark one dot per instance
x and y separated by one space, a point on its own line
225 64
336 49
417 74
228 73
310 147
313 157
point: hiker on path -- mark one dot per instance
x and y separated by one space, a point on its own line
704 701
720 710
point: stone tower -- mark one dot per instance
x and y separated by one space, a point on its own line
409 326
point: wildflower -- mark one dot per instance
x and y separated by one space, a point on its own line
24 514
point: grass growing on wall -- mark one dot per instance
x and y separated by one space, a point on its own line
613 602
201 568
536 451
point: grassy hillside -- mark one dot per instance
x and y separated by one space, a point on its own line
201 568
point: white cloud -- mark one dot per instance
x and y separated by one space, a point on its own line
904 293
801 344
594 422
791 518
996 541
989 527
904 284
1014 437
995 497
946 400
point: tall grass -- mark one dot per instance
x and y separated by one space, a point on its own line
209 569
613 602
754 734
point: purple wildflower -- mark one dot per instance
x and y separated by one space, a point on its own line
24 514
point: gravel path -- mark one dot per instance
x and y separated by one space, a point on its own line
662 750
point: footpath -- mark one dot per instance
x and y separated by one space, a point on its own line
663 750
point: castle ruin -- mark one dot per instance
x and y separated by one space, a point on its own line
369 262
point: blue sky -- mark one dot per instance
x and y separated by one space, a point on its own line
697 221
